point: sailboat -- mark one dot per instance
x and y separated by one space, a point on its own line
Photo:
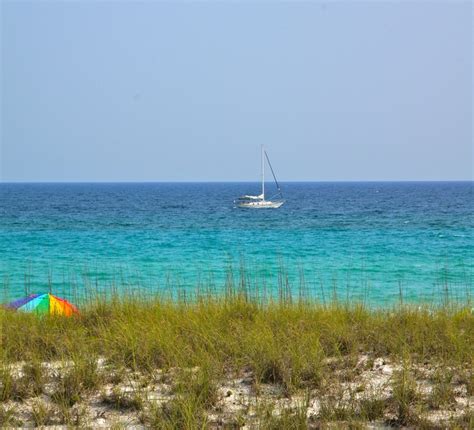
259 202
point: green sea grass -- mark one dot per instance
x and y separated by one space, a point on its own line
297 345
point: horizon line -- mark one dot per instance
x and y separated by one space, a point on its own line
234 182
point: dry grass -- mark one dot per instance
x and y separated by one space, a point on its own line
295 346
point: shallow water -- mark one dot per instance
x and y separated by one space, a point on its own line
355 240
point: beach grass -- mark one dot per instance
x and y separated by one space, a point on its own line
308 350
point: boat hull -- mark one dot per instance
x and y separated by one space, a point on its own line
261 204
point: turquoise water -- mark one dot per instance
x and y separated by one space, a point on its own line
360 241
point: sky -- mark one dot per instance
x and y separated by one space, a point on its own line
189 90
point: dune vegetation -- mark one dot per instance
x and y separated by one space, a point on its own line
228 361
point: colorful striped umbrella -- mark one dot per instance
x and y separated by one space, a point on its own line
44 304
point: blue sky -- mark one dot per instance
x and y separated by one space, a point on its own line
183 91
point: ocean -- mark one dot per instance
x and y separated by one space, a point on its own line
374 242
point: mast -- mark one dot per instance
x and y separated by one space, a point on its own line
263 174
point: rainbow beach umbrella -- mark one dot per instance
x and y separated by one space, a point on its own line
45 304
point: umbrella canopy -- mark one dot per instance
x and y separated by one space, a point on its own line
44 304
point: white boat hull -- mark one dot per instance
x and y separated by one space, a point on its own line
262 204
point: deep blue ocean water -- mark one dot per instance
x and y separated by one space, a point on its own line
359 241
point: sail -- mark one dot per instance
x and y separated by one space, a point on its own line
274 176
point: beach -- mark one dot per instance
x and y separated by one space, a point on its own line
235 363
348 307
236 215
